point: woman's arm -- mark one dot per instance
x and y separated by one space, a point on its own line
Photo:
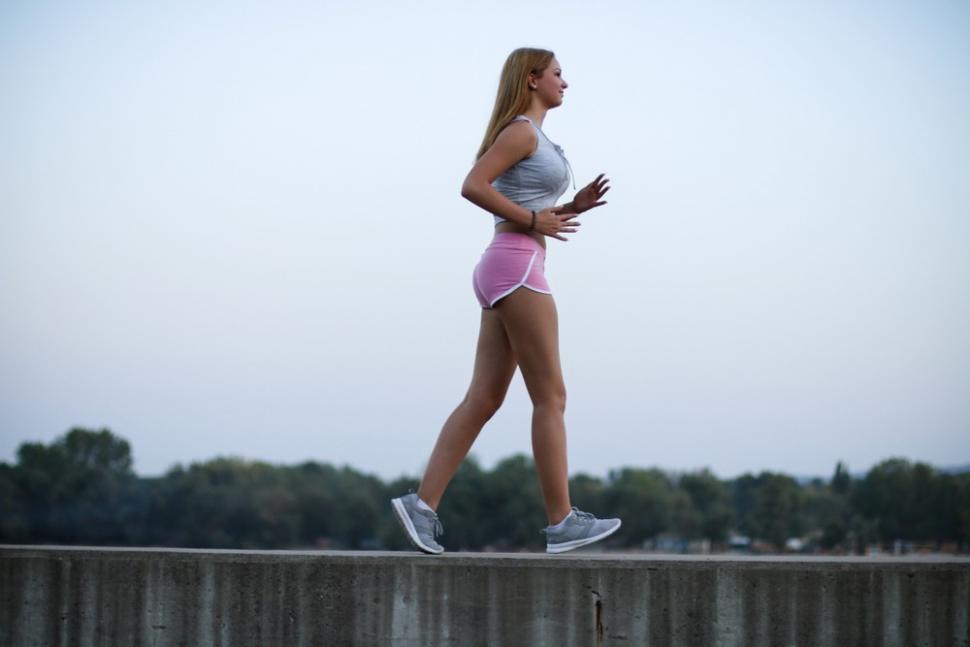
515 142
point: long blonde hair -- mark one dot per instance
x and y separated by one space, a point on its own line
513 96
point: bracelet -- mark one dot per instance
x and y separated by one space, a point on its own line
533 225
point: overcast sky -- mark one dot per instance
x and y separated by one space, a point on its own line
235 229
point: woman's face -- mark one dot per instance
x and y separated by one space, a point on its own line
550 87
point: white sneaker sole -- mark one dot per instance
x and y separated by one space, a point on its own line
405 520
576 543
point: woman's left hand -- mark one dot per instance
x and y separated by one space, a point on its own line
590 195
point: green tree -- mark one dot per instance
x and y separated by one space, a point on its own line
15 527
827 509
78 487
769 507
900 497
642 498
841 480
963 511
589 493
227 503
711 498
513 508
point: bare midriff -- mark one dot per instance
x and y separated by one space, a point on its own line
509 227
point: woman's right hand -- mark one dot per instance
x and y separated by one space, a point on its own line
550 222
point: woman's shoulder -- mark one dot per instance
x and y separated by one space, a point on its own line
521 123
521 132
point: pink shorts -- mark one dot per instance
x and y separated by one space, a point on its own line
511 261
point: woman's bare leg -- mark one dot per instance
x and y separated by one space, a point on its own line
494 367
532 327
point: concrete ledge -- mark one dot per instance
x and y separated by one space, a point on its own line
153 596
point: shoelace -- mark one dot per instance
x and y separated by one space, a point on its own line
438 528
586 516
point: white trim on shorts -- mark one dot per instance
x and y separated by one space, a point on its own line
520 284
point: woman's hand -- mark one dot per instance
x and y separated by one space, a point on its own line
591 195
550 222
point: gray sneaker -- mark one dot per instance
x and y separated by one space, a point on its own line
581 528
420 525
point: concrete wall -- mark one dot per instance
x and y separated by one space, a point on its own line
56 596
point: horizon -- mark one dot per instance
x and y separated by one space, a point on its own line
802 479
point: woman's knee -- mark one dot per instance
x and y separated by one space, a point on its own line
553 398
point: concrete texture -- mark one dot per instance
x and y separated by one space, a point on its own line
55 596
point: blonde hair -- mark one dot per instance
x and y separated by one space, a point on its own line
513 96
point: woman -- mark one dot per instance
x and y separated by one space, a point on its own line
518 177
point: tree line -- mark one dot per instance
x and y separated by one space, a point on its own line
81 489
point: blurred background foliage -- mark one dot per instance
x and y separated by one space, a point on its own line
81 489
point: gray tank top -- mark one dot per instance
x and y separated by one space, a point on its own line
536 182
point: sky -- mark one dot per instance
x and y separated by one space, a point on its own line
236 229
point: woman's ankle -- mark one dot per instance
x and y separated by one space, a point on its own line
556 519
431 504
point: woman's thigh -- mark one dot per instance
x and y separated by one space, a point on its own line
532 326
494 361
